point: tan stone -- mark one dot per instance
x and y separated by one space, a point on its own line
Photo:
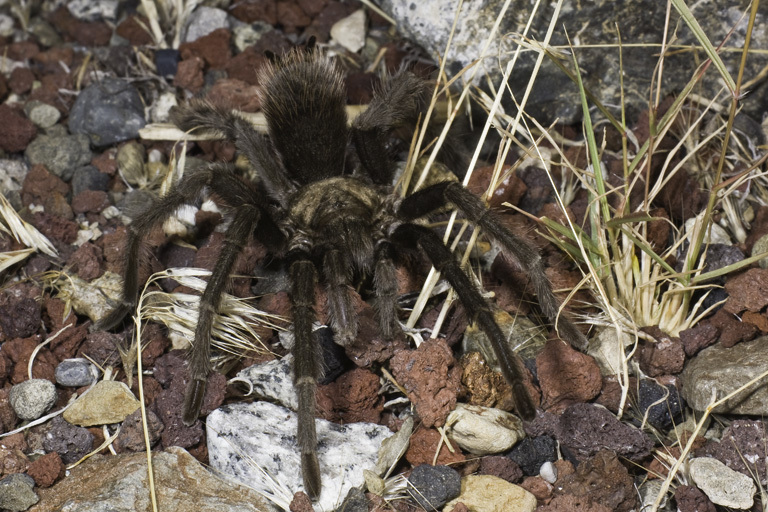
107 402
486 493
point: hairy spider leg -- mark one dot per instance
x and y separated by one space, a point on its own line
477 307
306 367
528 258
385 286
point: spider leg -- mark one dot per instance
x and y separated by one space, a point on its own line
385 285
306 368
478 309
338 276
429 199
200 114
199 356
397 103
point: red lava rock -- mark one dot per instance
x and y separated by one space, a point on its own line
245 65
291 17
691 499
168 406
67 343
95 33
502 467
331 13
15 442
732 330
759 320
585 429
4 90
485 386
256 10
699 337
602 479
51 59
8 418
571 503
511 188
12 461
58 206
352 398
101 346
189 74
666 356
131 436
39 183
133 29
46 469
20 318
423 446
86 261
19 351
539 487
213 48
21 80
90 201
235 94
431 378
55 228
312 7
69 441
16 131
747 291
113 247
301 503
106 162
151 387
22 50
566 376
5 368
658 230
155 344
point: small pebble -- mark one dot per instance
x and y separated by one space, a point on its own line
203 21
60 154
433 486
531 453
69 441
349 32
492 494
663 414
42 114
32 398
167 61
89 177
483 430
548 472
721 484
75 373
760 247
17 493
108 401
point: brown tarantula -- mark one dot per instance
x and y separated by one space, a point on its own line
331 224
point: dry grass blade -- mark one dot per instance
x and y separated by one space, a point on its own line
21 231
10 258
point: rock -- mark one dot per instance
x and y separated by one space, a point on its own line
663 403
42 114
32 398
425 442
433 486
60 154
46 469
203 21
89 177
16 131
131 436
108 401
718 234
273 381
238 433
502 467
483 430
548 472
491 494
75 373
16 492
119 484
519 331
601 479
94 299
608 351
349 32
721 484
566 375
12 174
109 111
717 371
530 453
69 441
88 10
760 247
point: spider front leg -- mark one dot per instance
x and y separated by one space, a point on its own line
478 310
528 258
306 368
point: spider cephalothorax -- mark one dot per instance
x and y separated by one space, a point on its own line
330 224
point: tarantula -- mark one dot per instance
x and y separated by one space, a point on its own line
329 223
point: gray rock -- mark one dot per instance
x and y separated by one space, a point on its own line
60 154
239 433
722 485
93 10
273 381
94 299
75 372
69 441
44 32
12 174
109 111
760 247
119 484
89 177
16 492
717 371
428 22
32 398
203 21
42 114
433 486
